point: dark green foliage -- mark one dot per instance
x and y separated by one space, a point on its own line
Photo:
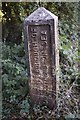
14 78
69 57
14 15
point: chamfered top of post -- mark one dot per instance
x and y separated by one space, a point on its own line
41 14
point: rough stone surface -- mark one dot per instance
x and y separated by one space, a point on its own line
40 30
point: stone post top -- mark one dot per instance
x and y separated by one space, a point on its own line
41 14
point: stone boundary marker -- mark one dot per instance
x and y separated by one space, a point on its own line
40 32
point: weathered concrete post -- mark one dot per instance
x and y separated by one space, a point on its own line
40 30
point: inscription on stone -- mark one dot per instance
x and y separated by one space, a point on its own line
40 32
40 59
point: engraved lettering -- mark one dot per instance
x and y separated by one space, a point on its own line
33 29
33 35
44 32
43 37
40 58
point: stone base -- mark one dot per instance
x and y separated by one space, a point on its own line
43 100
